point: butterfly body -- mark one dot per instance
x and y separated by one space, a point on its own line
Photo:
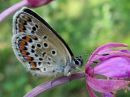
39 48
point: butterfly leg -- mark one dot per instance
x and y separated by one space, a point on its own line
67 71
53 79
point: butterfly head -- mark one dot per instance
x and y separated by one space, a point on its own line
78 61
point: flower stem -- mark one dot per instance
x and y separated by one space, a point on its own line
51 84
12 9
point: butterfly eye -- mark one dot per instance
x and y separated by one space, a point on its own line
78 61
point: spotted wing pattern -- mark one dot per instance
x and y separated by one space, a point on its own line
41 50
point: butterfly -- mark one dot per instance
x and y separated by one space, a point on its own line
39 47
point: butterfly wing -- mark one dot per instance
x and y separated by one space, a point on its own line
41 50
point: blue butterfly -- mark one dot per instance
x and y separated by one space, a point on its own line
39 48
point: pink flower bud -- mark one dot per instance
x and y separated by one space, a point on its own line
37 3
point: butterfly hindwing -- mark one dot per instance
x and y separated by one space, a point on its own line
38 46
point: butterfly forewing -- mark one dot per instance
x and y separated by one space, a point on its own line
38 46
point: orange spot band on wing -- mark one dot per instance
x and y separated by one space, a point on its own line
33 64
22 44
24 53
21 28
27 38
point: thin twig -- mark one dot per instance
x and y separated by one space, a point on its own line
12 9
51 84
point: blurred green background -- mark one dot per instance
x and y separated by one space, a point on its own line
83 24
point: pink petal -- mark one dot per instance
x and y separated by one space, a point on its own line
118 67
37 3
107 47
108 95
91 92
112 54
103 49
106 86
